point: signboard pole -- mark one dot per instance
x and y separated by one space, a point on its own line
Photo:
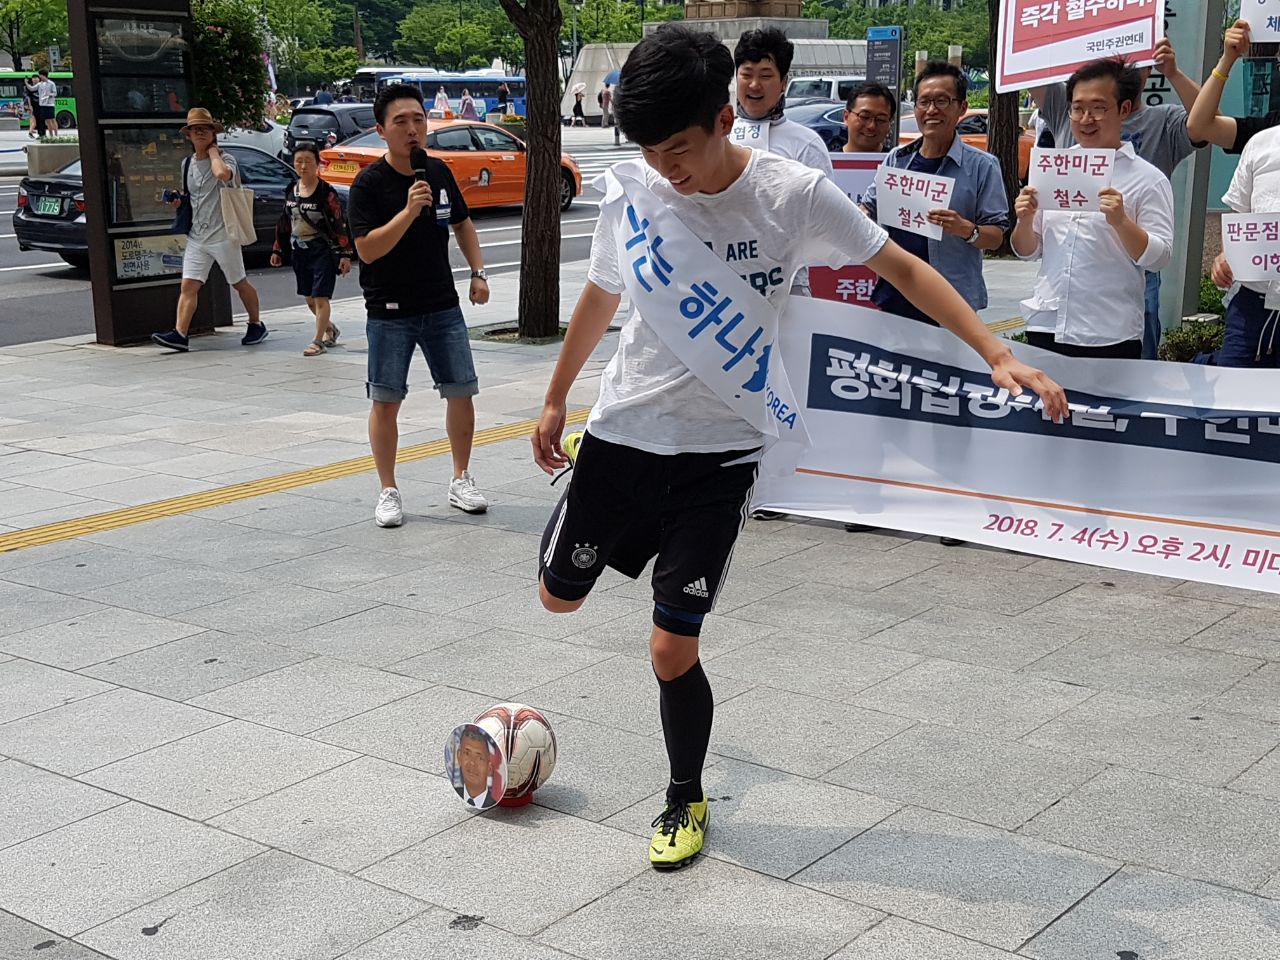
884 65
133 87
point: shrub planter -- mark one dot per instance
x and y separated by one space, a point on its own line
45 158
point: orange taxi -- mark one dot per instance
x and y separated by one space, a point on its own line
488 162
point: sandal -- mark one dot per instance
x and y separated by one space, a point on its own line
314 349
332 339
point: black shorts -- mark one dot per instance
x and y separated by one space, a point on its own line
315 271
626 506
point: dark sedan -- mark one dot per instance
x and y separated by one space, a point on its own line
327 124
51 215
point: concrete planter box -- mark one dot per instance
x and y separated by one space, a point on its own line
45 158
10 123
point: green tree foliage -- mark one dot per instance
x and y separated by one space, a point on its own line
28 26
317 65
458 36
230 73
928 28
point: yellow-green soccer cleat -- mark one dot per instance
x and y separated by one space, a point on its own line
570 445
682 828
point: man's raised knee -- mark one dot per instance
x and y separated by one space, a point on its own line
554 604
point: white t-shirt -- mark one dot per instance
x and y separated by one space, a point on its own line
795 141
48 91
1255 188
775 218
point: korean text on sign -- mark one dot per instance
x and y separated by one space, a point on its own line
1263 17
1251 243
905 197
1070 180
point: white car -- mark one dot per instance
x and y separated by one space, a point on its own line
828 87
269 138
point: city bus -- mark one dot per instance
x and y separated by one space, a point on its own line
482 86
13 97
366 80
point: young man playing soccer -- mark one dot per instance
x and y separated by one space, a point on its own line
667 464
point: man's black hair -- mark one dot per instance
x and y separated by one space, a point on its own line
674 79
468 733
870 88
767 44
392 92
1128 78
307 146
940 68
44 73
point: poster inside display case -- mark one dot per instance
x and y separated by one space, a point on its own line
141 163
149 257
143 66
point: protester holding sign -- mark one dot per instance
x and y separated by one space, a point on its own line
1159 135
704 237
1252 306
978 212
1088 299
1204 122
868 117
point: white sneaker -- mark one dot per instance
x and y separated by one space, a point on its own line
464 495
390 511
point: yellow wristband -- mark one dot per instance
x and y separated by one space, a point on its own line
1219 74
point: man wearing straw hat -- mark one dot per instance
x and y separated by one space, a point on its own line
208 243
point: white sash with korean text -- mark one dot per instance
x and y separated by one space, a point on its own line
750 133
714 322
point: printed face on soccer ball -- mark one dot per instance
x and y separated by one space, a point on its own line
759 87
473 761
938 109
868 123
693 160
404 127
1096 113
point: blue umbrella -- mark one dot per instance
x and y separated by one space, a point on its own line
612 77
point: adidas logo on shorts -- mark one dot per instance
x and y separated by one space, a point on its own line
698 588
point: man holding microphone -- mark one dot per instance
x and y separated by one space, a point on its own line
400 210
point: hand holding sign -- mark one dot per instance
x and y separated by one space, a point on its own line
905 199
1251 245
1071 180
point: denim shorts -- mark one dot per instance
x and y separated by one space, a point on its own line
444 342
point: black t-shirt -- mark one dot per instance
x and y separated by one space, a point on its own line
1248 127
415 277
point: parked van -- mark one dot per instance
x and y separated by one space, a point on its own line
824 88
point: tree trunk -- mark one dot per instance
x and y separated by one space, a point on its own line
1002 123
539 23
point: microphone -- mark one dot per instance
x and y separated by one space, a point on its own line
418 158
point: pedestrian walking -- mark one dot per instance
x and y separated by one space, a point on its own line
606 106
441 101
323 96
579 117
313 229
400 209
1090 292
204 175
467 106
48 93
504 98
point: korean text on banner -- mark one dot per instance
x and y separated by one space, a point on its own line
1263 17
1070 179
853 173
907 432
905 197
1251 244
1044 41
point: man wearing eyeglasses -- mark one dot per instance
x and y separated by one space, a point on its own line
1159 135
1089 294
868 117
979 212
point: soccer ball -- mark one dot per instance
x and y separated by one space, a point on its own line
526 740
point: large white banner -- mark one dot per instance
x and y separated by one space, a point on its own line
1164 468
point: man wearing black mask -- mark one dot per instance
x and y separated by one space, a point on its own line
400 210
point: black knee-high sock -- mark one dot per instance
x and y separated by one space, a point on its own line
687 708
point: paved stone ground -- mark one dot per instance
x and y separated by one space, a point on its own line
221 733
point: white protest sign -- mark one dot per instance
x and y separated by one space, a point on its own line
905 197
1263 17
750 133
1070 179
1251 244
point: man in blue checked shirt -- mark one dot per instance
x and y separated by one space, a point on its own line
979 213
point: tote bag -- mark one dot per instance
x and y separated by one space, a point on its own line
237 211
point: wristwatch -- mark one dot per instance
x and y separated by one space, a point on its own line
973 237
479 275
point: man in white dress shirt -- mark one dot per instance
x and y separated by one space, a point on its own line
1089 294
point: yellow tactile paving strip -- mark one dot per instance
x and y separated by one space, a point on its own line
128 516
